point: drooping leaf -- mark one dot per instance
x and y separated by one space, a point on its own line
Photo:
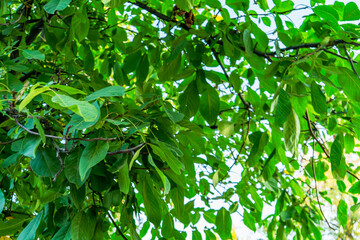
82 108
82 226
342 213
223 223
93 153
2 201
209 105
152 203
45 163
292 132
318 98
29 232
337 159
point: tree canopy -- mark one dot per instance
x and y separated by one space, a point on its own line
119 117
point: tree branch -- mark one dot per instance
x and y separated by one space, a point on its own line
323 147
116 226
5 143
316 188
126 150
350 60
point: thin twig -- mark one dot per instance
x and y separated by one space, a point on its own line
11 23
116 226
93 139
5 143
317 191
35 133
338 55
350 60
247 105
323 147
61 163
126 150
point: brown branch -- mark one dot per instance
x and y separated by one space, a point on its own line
338 55
11 23
323 147
316 188
5 143
247 105
61 163
350 60
126 150
93 139
35 133
116 226
159 14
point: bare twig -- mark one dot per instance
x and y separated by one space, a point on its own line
350 60
61 163
247 105
338 55
35 133
317 191
5 143
116 226
323 147
11 23
93 139
126 150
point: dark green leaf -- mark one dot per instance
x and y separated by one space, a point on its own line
93 153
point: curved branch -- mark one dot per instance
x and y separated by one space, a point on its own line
126 150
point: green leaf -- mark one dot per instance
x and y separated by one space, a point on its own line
167 156
167 229
82 226
164 179
351 12
342 213
34 91
40 129
189 100
223 223
350 83
318 98
68 89
283 108
292 132
260 140
28 145
112 91
249 221
80 23
63 233
152 203
71 169
56 5
210 105
29 233
226 128
35 54
142 70
235 80
174 116
93 153
337 159
186 5
329 14
123 177
11 226
2 201
45 163
82 108
248 42
355 188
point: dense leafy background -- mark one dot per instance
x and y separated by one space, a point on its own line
116 116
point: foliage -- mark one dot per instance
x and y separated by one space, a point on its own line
116 116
